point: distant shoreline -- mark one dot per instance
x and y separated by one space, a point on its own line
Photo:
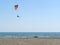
34 37
30 34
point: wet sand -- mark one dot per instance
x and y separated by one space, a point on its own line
29 41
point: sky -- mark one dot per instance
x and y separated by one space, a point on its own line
35 16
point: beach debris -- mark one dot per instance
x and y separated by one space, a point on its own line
35 36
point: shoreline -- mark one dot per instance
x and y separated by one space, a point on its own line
29 41
34 37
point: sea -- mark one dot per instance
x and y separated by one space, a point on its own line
29 34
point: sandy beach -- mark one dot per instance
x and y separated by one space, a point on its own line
29 41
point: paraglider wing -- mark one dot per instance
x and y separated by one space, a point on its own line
15 7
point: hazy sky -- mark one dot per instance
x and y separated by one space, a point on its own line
35 16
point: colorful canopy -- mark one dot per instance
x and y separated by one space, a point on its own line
15 7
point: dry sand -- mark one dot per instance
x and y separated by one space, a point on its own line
29 41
